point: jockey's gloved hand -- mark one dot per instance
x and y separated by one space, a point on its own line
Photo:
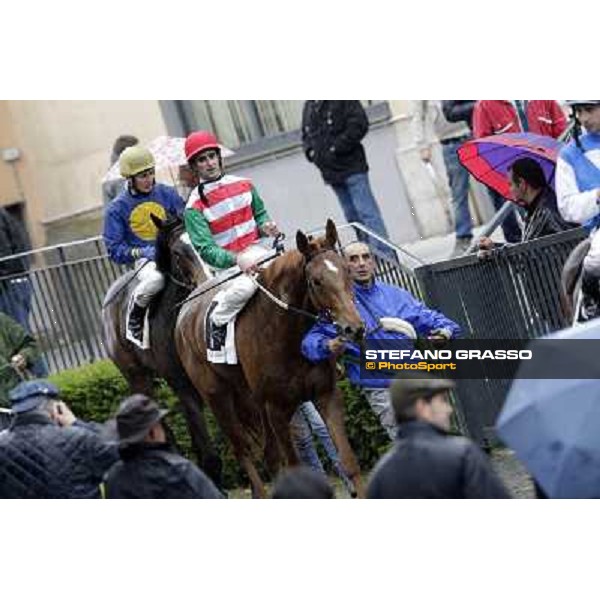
270 228
143 252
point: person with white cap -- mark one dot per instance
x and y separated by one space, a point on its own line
578 193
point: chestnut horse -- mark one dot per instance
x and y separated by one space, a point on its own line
178 261
254 400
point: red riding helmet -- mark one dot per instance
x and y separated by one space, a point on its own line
198 141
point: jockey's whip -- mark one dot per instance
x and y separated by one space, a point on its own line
124 285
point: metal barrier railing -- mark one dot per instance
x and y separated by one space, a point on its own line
63 292
515 294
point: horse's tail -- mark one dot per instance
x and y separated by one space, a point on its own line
570 276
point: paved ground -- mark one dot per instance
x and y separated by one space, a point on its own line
504 461
438 248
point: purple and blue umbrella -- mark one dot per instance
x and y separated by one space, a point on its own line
488 159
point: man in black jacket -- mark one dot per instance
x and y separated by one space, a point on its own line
40 458
459 110
332 131
149 467
426 461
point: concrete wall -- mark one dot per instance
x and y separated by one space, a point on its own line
431 201
9 193
65 148
297 197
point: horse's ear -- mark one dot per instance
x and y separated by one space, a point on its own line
157 220
302 243
331 235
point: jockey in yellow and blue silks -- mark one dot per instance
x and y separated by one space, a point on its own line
130 233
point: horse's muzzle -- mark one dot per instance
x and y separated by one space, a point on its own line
350 333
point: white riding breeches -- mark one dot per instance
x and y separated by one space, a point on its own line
151 281
231 301
591 262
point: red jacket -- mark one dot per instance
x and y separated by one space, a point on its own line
500 116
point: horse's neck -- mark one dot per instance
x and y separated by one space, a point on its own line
286 279
287 282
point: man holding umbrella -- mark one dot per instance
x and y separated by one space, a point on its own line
530 190
496 117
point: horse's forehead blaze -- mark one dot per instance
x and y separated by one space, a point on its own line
331 266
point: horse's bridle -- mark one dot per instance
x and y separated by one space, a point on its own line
325 314
178 282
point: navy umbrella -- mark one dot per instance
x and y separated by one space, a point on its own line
553 425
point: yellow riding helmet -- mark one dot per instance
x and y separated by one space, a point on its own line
135 160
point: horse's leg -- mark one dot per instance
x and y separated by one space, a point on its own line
222 407
331 407
218 393
272 453
279 416
193 409
141 381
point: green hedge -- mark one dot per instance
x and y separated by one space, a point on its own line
93 392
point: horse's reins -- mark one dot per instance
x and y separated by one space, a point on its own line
279 302
294 309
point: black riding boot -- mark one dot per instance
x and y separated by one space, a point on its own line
590 287
217 334
136 322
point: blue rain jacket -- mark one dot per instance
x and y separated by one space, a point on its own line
373 302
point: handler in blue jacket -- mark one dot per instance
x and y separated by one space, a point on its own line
130 233
376 303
